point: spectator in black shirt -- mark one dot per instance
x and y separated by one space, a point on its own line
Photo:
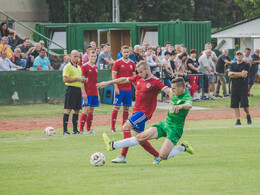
253 70
36 50
5 32
239 87
223 59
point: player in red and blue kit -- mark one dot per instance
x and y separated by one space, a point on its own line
123 92
147 88
90 96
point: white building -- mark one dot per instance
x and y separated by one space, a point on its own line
247 32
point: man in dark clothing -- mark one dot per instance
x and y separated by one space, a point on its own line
239 87
253 70
223 59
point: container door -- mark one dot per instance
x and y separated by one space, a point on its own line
118 38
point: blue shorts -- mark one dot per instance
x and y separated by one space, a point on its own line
138 120
125 96
92 101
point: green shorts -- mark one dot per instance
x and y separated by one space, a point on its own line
169 131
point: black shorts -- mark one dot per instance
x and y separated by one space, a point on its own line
73 98
239 96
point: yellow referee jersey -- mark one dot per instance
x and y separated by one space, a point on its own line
72 71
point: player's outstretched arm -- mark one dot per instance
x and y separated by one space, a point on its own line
121 80
168 91
186 106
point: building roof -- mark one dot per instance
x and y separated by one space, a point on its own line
245 28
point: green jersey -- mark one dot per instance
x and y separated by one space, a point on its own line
178 119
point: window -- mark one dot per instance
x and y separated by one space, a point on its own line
149 35
59 37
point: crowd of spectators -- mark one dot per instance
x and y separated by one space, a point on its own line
23 56
201 72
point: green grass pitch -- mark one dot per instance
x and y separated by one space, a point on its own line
226 161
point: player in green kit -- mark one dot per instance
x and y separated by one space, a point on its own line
171 127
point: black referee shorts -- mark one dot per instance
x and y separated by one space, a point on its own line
239 96
73 98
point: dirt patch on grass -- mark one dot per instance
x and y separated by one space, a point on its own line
104 120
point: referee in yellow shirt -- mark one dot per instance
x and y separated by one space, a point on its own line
72 77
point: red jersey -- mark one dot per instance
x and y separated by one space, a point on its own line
91 73
124 69
146 94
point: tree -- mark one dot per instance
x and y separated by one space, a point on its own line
221 12
250 8
81 11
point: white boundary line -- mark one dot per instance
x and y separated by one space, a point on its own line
27 139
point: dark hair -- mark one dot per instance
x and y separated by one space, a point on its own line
193 51
42 49
167 53
160 53
25 39
247 49
125 47
167 42
183 55
102 46
179 82
6 32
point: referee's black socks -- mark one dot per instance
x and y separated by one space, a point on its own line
75 118
65 122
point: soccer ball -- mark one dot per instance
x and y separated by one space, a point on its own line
97 159
49 131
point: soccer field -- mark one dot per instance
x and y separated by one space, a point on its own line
226 161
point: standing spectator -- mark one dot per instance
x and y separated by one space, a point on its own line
105 57
167 44
146 45
206 65
90 96
208 46
72 77
123 92
179 63
193 66
5 32
253 70
66 60
6 64
85 56
168 73
102 47
239 87
153 62
137 51
17 60
5 47
93 45
177 48
223 59
172 58
42 62
131 55
80 63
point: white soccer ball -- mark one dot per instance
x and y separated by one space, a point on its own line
97 159
50 131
